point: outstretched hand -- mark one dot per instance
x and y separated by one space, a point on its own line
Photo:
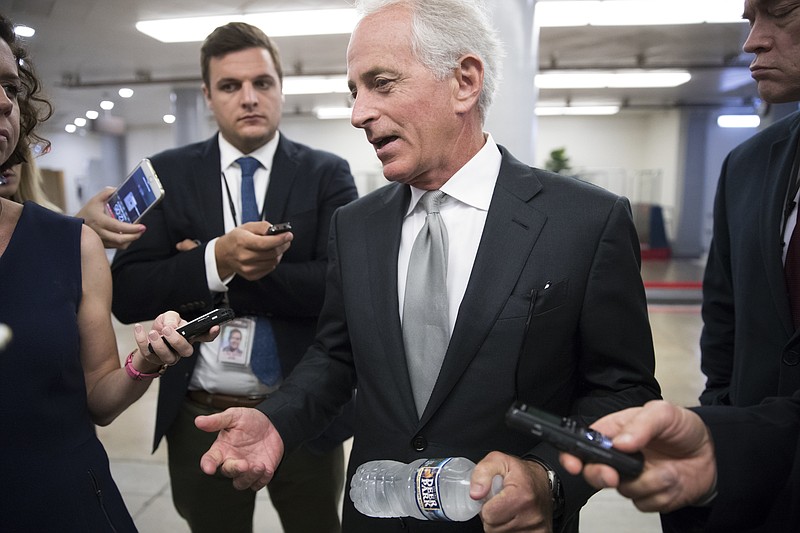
248 448
680 466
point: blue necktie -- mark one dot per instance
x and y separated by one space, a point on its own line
264 359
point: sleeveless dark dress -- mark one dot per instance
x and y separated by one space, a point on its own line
54 473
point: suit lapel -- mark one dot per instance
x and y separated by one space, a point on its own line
512 227
780 166
383 227
207 172
281 178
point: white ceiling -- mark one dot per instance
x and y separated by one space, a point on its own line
93 44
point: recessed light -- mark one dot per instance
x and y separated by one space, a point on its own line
24 31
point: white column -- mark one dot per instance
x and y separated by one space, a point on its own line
191 124
512 119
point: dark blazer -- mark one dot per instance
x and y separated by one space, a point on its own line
588 350
758 470
151 276
750 350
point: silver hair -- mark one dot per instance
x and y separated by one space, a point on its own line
444 30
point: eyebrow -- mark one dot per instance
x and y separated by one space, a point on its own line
229 79
371 73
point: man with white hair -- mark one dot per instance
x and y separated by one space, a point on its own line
521 285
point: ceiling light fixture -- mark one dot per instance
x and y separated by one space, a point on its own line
329 113
274 24
738 121
635 12
92 114
561 108
315 84
24 31
70 128
553 111
125 92
108 105
168 118
598 79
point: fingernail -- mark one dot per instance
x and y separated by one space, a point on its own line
623 438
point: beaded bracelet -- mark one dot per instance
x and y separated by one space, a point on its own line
139 376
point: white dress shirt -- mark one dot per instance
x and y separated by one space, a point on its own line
464 214
209 374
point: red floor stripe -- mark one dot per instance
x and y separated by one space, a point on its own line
673 284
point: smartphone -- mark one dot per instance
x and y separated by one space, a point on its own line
200 325
139 193
283 227
203 323
568 435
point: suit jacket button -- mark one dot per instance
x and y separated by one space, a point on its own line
419 443
791 358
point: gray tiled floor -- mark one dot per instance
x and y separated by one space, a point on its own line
143 478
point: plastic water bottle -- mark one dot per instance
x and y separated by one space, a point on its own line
427 489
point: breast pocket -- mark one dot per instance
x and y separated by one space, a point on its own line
552 296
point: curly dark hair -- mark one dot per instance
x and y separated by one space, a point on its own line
34 108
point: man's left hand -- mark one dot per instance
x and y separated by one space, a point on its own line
524 504
248 448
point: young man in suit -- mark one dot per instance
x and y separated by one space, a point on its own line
540 300
750 343
275 284
736 467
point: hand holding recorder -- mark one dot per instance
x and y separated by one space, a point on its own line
568 435
680 466
201 328
252 250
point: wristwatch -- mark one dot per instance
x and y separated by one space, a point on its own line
140 376
556 491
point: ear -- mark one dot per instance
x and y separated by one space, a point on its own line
207 96
469 83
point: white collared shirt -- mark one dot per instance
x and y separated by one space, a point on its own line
232 174
464 214
209 374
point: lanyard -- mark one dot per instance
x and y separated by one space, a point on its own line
233 208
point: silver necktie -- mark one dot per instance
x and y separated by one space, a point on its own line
426 325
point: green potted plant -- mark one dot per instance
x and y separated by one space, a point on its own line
558 162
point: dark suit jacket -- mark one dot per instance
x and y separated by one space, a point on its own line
749 347
758 470
588 350
151 276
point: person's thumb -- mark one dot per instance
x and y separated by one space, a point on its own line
214 422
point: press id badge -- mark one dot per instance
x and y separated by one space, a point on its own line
236 346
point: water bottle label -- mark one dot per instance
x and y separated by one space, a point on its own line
429 498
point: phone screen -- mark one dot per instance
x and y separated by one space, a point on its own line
132 199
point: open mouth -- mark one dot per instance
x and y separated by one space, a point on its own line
380 143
